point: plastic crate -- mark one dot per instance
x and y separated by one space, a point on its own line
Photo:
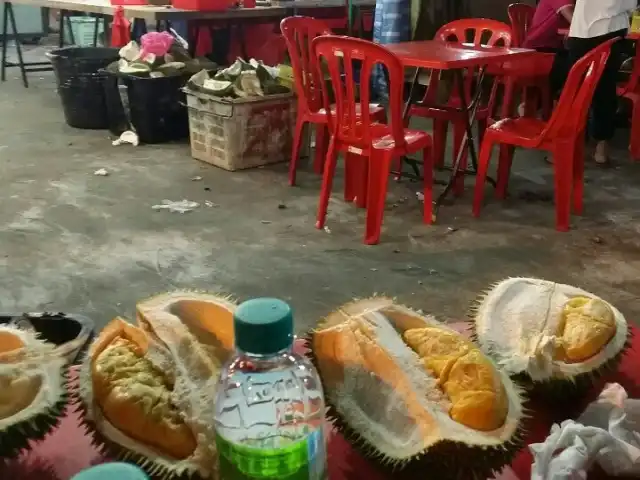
83 29
241 133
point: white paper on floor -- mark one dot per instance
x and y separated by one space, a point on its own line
127 137
607 433
180 206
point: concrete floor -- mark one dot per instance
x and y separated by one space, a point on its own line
72 241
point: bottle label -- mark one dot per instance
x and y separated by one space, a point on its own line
301 460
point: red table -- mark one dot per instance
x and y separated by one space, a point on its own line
68 449
432 54
436 55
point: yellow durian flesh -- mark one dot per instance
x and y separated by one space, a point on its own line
135 397
379 361
586 326
469 380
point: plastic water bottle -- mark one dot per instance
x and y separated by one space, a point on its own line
269 403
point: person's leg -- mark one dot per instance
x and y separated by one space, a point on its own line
559 68
559 71
604 103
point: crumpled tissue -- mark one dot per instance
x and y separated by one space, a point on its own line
607 433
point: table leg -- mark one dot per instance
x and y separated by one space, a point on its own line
63 14
5 39
107 31
9 19
243 46
96 28
405 115
72 38
471 109
12 19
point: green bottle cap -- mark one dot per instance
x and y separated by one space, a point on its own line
111 471
263 326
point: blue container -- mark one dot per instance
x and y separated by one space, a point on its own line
112 471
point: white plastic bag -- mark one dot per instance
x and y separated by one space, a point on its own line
607 433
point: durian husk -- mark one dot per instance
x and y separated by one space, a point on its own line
33 392
394 412
534 357
187 336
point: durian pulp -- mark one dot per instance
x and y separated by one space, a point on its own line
170 345
135 396
521 321
30 383
587 325
383 388
466 376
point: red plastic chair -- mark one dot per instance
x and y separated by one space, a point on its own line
298 33
631 92
562 135
530 77
457 31
521 17
369 146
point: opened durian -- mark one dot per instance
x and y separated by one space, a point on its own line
148 391
414 394
33 391
549 334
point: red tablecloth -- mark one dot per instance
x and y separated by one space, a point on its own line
67 450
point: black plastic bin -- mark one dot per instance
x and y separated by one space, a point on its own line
156 106
80 84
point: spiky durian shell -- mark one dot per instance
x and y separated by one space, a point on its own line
36 467
561 392
446 460
38 420
17 438
159 468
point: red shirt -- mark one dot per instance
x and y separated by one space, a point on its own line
543 32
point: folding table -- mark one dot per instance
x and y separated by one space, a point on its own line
161 16
435 55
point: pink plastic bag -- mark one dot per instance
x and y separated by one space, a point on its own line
157 43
